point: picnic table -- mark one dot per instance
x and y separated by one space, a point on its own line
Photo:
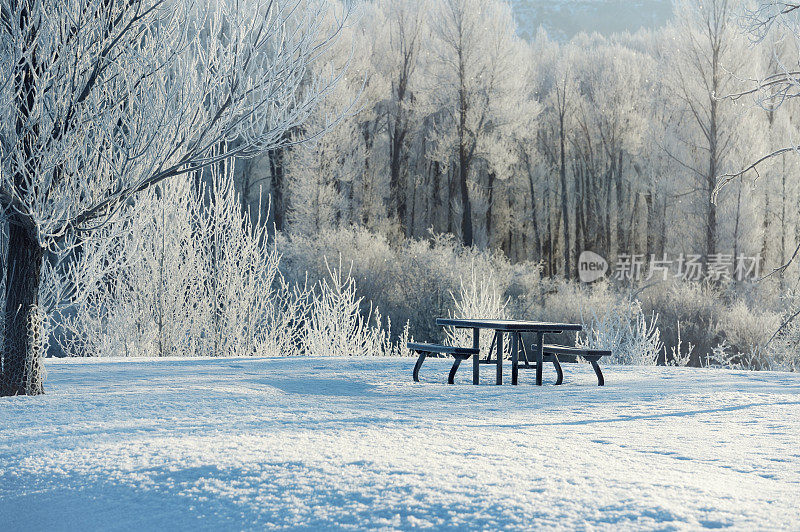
515 328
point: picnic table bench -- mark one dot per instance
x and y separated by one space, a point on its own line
592 356
424 350
519 357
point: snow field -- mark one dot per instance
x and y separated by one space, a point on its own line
352 443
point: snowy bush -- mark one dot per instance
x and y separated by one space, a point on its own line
724 327
626 331
697 307
676 356
148 299
411 281
249 308
479 298
336 326
780 349
182 279
745 333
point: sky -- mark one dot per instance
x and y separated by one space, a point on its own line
565 18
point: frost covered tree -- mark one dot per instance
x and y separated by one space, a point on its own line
100 100
701 67
472 62
774 26
147 298
559 94
406 33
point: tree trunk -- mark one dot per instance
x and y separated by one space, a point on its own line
711 223
20 371
464 154
436 197
736 223
713 160
765 229
580 226
534 218
562 173
663 240
397 196
466 203
610 252
782 275
275 158
651 226
491 182
621 214
451 198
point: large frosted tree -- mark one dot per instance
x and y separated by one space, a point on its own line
101 99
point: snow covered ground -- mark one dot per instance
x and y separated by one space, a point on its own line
309 443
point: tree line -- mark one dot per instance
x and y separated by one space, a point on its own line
540 148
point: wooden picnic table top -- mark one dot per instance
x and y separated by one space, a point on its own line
508 325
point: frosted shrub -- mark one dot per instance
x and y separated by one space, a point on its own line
766 358
382 281
781 351
678 357
722 356
745 328
182 278
697 307
411 281
626 331
572 302
336 326
147 302
248 307
477 298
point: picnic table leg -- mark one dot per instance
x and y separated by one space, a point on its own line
600 380
514 357
418 365
476 335
452 376
559 371
539 357
499 357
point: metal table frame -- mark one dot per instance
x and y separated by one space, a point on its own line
515 328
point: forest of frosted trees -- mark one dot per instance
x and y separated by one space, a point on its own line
543 149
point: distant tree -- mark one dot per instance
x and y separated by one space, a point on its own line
406 32
774 26
472 59
700 67
559 96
